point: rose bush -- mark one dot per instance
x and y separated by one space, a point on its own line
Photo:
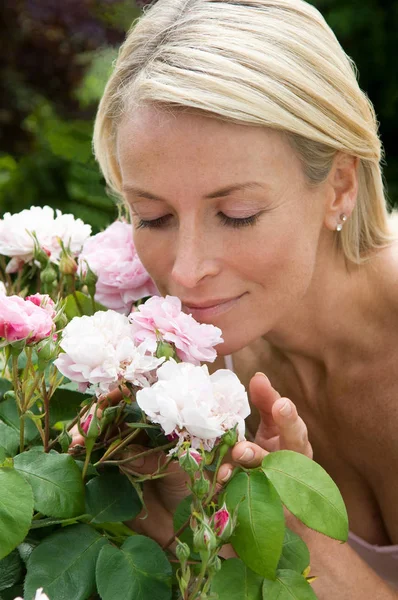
62 514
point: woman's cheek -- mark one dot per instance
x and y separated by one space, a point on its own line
154 254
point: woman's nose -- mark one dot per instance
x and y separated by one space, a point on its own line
195 260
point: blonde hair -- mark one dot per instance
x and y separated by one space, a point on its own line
270 63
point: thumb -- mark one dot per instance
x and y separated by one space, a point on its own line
263 396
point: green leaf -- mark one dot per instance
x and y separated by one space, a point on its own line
260 530
5 386
16 509
64 564
139 570
295 554
111 497
9 440
235 581
56 482
65 405
308 492
10 570
9 415
84 306
289 585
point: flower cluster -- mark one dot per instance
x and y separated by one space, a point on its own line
122 278
20 233
162 319
197 407
100 350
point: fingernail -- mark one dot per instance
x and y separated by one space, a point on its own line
227 476
286 409
262 375
247 455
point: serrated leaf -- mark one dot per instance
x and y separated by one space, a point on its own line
259 533
235 581
111 497
56 482
295 555
64 564
16 509
139 570
10 570
308 492
288 585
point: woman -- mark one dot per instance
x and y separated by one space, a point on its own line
237 134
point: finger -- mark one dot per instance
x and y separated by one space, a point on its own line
293 430
263 396
248 454
245 454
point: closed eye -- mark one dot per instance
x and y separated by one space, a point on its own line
227 221
235 222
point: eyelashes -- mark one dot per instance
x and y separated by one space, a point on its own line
226 221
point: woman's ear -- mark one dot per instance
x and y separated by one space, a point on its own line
343 185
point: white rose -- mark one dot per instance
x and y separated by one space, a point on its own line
100 350
16 231
194 405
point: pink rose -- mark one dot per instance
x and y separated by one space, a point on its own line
22 319
163 317
45 302
122 278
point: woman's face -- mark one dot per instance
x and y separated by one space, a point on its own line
223 218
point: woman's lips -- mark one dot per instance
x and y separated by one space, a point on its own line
206 310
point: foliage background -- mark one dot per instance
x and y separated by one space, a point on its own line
55 60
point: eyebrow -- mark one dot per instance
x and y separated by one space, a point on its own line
221 193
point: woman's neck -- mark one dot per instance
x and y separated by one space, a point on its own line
342 316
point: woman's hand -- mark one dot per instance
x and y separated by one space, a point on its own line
280 428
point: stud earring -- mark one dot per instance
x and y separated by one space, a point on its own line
339 226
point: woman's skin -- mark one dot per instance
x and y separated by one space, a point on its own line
323 331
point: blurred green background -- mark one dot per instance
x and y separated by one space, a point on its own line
57 55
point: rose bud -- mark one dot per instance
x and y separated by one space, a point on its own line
201 487
190 461
223 524
204 539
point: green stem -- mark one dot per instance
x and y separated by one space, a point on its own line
111 451
89 449
199 581
46 401
212 491
21 433
123 461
